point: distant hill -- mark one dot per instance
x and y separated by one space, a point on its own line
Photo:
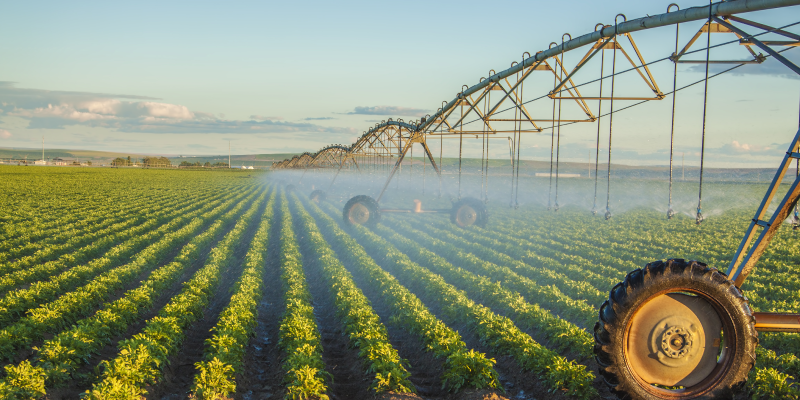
469 166
105 157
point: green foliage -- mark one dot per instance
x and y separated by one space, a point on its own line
299 336
224 354
410 313
360 321
142 357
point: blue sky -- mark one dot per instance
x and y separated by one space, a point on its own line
186 77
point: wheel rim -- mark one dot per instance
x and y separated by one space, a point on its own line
675 340
466 216
358 214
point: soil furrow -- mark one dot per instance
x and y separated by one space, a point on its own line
342 362
262 376
179 373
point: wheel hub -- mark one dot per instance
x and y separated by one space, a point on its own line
676 342
673 340
359 214
466 216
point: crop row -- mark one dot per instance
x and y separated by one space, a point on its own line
463 368
299 336
58 359
141 359
562 335
361 323
533 254
78 303
500 333
224 352
61 278
100 242
522 278
64 238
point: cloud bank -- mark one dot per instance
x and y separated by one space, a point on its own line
126 113
390 110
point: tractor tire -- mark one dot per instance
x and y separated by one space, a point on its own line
469 211
675 330
317 196
361 210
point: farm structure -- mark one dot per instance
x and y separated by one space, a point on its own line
668 329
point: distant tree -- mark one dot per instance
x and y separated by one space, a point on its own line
118 162
207 164
157 162
129 161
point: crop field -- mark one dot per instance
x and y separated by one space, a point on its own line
128 284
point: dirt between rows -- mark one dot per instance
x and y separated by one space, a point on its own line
262 375
516 383
108 352
178 374
426 370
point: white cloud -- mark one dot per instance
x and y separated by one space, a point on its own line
4 134
55 110
737 147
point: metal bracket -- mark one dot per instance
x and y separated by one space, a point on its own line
743 263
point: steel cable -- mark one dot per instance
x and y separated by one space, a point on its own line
699 217
670 211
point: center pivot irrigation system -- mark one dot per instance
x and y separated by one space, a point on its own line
674 329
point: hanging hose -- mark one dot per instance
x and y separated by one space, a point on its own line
441 148
558 140
611 119
460 141
552 134
518 142
511 149
699 218
670 211
599 113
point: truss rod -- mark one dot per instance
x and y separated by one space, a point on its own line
671 18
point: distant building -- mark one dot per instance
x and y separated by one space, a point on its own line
40 162
59 161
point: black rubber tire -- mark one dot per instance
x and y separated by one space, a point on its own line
317 196
369 203
481 217
658 278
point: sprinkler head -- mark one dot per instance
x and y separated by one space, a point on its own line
608 214
556 207
699 218
670 213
